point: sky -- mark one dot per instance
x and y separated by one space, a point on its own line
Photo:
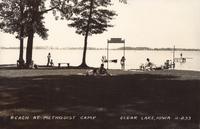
142 23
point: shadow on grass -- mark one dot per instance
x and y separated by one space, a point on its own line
107 98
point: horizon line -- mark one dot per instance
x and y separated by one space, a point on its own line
101 48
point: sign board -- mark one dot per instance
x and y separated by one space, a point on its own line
116 40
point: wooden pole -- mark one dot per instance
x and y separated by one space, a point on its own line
124 55
124 50
174 57
107 53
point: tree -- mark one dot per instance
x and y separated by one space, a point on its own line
91 17
23 18
12 16
36 25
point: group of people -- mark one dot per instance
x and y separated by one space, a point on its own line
149 66
49 60
122 61
101 71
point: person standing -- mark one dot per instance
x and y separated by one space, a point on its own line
48 59
122 62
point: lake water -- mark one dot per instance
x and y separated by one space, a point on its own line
134 58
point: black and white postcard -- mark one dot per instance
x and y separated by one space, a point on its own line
99 64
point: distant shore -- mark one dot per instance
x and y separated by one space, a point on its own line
93 48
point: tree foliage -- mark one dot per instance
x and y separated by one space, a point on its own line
12 15
17 13
62 9
123 1
35 17
98 21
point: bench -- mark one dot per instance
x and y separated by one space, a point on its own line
59 64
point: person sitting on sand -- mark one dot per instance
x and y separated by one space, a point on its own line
102 70
98 72
148 65
166 64
35 66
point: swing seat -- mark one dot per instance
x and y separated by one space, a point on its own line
113 61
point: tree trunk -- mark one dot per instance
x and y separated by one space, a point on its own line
29 49
21 36
83 64
21 51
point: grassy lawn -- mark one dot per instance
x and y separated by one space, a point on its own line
110 101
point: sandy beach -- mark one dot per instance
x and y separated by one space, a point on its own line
167 99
